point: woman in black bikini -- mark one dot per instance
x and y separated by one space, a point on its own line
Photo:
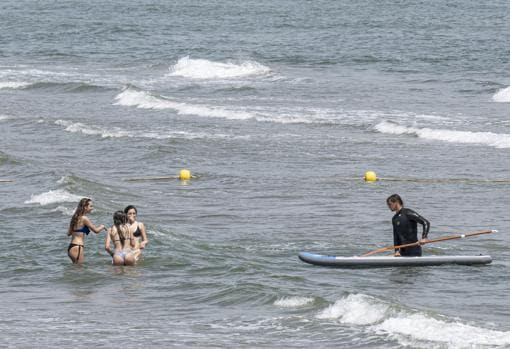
80 226
137 229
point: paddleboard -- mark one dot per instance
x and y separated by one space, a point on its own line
389 261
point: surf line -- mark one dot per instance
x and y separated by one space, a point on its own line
184 175
446 180
371 176
162 178
428 180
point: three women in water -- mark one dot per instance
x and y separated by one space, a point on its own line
127 235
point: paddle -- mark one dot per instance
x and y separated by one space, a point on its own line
423 242
6 180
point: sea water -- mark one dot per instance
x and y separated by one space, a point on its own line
277 108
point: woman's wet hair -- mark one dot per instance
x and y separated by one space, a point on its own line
126 210
395 198
80 211
119 218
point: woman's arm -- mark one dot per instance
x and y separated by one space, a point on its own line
132 241
145 239
96 229
107 242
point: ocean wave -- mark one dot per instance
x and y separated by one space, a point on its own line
491 139
78 127
134 97
205 69
67 86
63 80
144 100
131 97
116 132
356 309
64 210
39 73
411 328
13 85
52 197
502 96
293 302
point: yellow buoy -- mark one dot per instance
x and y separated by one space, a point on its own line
370 176
184 175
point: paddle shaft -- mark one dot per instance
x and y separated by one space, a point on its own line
423 242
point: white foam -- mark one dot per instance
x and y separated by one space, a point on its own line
64 210
496 140
93 130
13 85
63 180
502 96
118 133
53 196
409 327
144 100
356 309
418 328
293 302
204 69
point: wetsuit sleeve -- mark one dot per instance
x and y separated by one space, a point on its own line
421 220
396 239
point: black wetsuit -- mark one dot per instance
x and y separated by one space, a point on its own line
405 231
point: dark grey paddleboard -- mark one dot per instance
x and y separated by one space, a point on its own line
389 261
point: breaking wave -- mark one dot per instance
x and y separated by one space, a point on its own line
205 69
116 132
497 140
52 197
293 302
411 328
13 85
502 96
144 100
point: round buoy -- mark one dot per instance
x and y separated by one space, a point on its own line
370 176
184 175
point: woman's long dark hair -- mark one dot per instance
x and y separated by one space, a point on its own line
129 208
80 211
120 218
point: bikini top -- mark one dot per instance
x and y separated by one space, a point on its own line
137 232
84 230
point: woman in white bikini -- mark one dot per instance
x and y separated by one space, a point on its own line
122 239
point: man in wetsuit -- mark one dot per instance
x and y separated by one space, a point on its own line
405 222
